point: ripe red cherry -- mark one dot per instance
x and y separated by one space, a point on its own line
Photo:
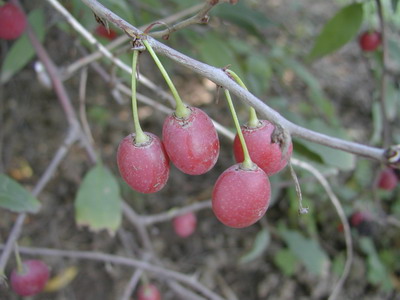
31 280
263 152
192 144
241 197
148 292
387 179
103 32
370 40
145 167
359 217
185 225
12 22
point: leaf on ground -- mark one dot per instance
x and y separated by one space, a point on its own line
98 202
338 31
15 197
261 243
308 251
61 280
286 261
22 51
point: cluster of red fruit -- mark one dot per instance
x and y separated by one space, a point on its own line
240 196
12 22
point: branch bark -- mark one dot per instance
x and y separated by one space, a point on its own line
219 77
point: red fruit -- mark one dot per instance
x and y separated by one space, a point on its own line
148 292
192 144
263 152
108 34
387 179
358 217
31 280
145 167
185 225
241 197
12 22
370 40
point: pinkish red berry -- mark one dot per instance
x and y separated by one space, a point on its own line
185 225
148 292
12 22
145 167
370 40
192 144
109 34
31 280
241 197
387 179
263 152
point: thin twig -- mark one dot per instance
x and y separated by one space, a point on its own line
62 151
163 217
82 105
221 79
385 56
346 227
130 287
103 257
72 68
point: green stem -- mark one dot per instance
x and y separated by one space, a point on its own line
181 110
20 269
141 137
253 120
247 162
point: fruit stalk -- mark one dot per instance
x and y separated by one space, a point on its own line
181 110
253 120
140 136
18 259
247 162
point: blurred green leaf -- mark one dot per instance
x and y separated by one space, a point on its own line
286 261
330 156
394 4
261 243
306 250
377 122
243 16
377 273
98 202
394 49
22 51
214 51
315 91
338 31
15 197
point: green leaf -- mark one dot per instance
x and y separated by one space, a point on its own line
307 251
377 273
338 31
15 197
337 158
286 261
22 51
261 243
243 16
214 51
98 202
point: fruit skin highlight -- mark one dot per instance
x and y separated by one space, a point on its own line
263 152
12 22
370 40
32 278
148 292
387 179
241 197
145 168
192 144
185 225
